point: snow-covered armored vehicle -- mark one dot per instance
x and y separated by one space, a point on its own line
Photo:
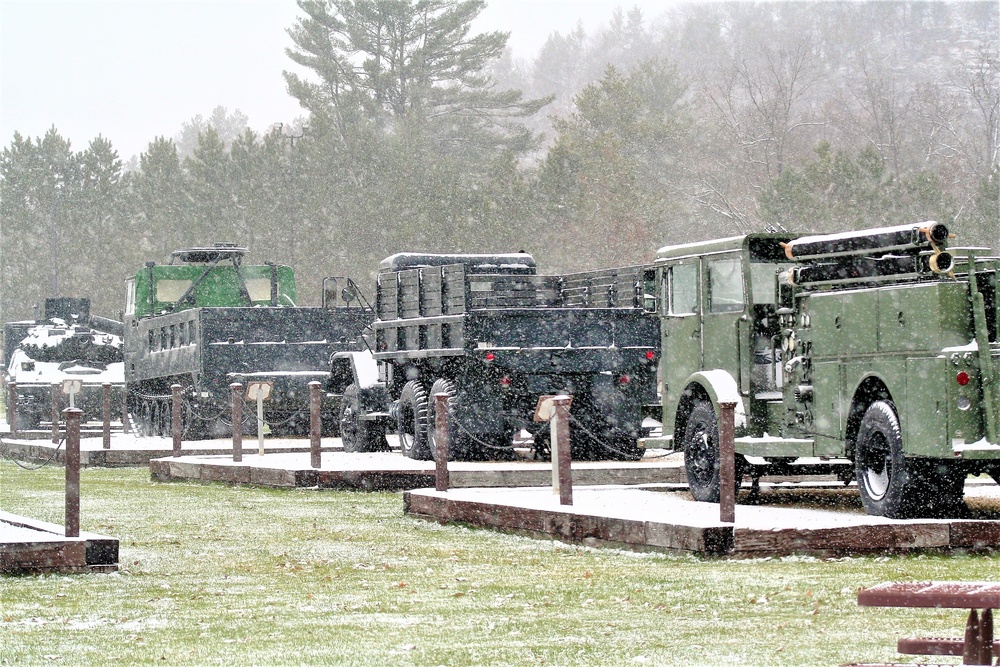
876 350
65 345
495 336
206 320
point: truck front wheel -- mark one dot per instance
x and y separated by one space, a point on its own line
701 453
412 422
359 435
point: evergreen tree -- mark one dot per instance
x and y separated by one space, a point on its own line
609 176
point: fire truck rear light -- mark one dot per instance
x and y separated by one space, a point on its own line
962 378
490 356
650 354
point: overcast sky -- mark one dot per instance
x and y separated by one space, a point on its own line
132 70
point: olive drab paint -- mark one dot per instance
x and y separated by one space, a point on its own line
873 354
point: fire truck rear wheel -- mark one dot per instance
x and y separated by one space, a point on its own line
896 486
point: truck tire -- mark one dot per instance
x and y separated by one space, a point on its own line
701 454
890 484
412 421
358 435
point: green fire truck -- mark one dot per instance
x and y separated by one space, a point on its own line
872 354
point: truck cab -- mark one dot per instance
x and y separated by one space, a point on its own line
718 304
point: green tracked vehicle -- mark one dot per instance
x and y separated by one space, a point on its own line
206 320
873 354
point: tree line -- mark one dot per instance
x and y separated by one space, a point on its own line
419 135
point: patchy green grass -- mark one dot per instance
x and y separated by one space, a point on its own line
212 574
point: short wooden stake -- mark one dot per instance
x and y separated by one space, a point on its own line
176 422
727 463
561 453
73 471
441 444
236 390
315 424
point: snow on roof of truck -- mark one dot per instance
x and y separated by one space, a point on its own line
205 255
514 262
761 244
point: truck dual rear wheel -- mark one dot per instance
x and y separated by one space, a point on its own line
443 386
411 422
893 485
701 453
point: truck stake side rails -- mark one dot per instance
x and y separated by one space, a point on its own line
208 321
871 353
496 337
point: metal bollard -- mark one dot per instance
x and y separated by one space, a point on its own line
73 471
56 401
175 417
727 463
315 424
106 410
12 408
561 454
236 389
441 444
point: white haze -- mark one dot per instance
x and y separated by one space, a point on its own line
133 70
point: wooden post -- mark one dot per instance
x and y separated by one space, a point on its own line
561 454
315 424
12 408
56 401
236 390
176 427
727 463
106 413
441 444
73 471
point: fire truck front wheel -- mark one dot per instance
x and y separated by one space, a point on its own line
701 453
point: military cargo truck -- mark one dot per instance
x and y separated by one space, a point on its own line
206 320
495 336
873 354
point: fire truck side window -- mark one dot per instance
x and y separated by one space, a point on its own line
683 289
725 286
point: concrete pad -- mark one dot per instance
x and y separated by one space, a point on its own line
393 471
129 450
28 546
652 518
